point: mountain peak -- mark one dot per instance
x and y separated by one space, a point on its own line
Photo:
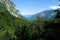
10 6
47 14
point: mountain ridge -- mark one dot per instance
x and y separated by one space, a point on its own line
47 14
11 7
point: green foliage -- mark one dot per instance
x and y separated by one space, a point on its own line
9 24
14 28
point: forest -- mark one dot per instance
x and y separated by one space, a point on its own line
14 28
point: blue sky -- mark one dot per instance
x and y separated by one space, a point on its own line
30 7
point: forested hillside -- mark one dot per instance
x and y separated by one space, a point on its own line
13 28
9 24
19 28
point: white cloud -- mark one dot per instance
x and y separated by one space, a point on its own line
54 7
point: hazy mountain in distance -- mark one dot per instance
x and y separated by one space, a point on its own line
47 14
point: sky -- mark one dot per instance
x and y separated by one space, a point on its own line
31 7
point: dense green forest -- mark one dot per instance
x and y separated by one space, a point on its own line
14 28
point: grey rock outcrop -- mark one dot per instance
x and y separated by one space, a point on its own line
11 7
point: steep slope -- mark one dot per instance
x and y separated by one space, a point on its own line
11 7
9 21
9 24
47 14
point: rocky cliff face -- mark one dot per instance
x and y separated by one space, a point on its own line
10 6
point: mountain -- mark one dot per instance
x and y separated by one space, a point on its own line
28 16
10 20
47 14
13 26
11 7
